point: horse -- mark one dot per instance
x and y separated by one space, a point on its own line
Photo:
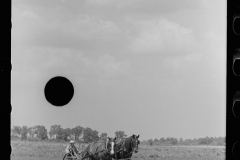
125 148
100 150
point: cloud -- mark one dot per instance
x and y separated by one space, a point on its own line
52 61
89 31
110 67
129 6
212 37
48 60
32 28
143 7
90 27
87 61
182 63
106 66
162 36
108 72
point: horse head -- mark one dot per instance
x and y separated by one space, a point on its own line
134 143
110 144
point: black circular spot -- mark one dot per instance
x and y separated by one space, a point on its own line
59 91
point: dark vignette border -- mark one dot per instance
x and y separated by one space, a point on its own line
5 77
233 42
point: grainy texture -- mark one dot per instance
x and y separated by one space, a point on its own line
25 150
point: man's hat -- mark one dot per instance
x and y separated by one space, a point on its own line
71 141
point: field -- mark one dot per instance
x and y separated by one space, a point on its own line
27 150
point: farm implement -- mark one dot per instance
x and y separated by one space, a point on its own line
69 156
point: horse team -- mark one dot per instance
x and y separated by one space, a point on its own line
123 149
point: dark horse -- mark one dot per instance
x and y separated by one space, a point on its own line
100 150
125 148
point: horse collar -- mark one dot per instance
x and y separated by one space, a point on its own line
130 149
131 144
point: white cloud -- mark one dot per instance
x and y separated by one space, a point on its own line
181 63
162 36
90 26
110 67
142 7
48 60
107 70
87 61
82 32
211 36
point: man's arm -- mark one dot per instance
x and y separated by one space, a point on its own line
76 150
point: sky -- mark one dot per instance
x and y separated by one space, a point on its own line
154 68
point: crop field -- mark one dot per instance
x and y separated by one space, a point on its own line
27 150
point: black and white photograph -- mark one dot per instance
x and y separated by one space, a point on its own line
118 79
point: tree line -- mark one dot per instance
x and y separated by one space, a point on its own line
87 135
174 141
56 132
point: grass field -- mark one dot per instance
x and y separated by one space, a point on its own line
27 150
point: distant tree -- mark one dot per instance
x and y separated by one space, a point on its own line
195 141
187 142
103 136
40 131
209 141
180 141
155 140
202 141
169 139
24 131
144 142
120 134
90 135
162 140
220 141
150 142
31 132
174 141
55 130
64 134
205 141
77 132
16 131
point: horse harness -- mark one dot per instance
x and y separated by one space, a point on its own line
96 152
123 149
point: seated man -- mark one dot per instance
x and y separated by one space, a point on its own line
71 149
